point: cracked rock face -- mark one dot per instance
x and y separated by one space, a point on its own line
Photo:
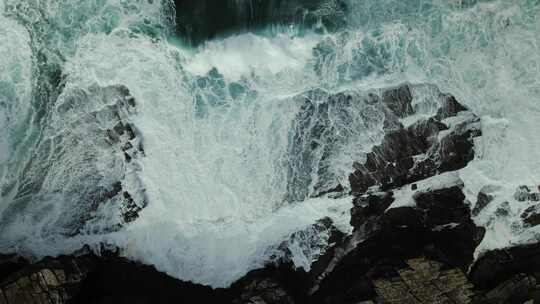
50 281
423 281
440 143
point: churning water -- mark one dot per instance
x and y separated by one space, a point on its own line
217 173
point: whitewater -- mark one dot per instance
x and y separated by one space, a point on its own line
219 185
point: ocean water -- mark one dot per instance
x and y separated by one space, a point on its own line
217 121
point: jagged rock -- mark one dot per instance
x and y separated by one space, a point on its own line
450 107
497 266
437 225
399 101
503 210
313 242
264 291
485 197
531 216
325 124
369 206
516 290
88 127
430 146
279 283
442 206
523 193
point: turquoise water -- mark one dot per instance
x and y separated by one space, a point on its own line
220 180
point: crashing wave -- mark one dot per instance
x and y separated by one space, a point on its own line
200 159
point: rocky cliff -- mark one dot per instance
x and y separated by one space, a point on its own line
414 239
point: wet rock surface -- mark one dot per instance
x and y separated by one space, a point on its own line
88 278
440 143
418 138
437 227
94 130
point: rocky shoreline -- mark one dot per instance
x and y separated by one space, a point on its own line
502 276
414 237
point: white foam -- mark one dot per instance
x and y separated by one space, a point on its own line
215 184
217 253
215 165
15 86
245 54
404 196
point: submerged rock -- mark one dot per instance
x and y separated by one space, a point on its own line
91 129
507 275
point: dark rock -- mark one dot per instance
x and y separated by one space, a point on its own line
127 157
337 189
369 206
442 206
483 199
516 290
522 193
455 150
130 209
399 101
99 279
321 128
531 216
450 108
10 263
276 283
503 210
497 266
407 155
439 227
51 280
264 291
119 128
388 164
117 280
116 188
426 131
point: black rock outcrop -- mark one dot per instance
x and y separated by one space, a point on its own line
427 147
